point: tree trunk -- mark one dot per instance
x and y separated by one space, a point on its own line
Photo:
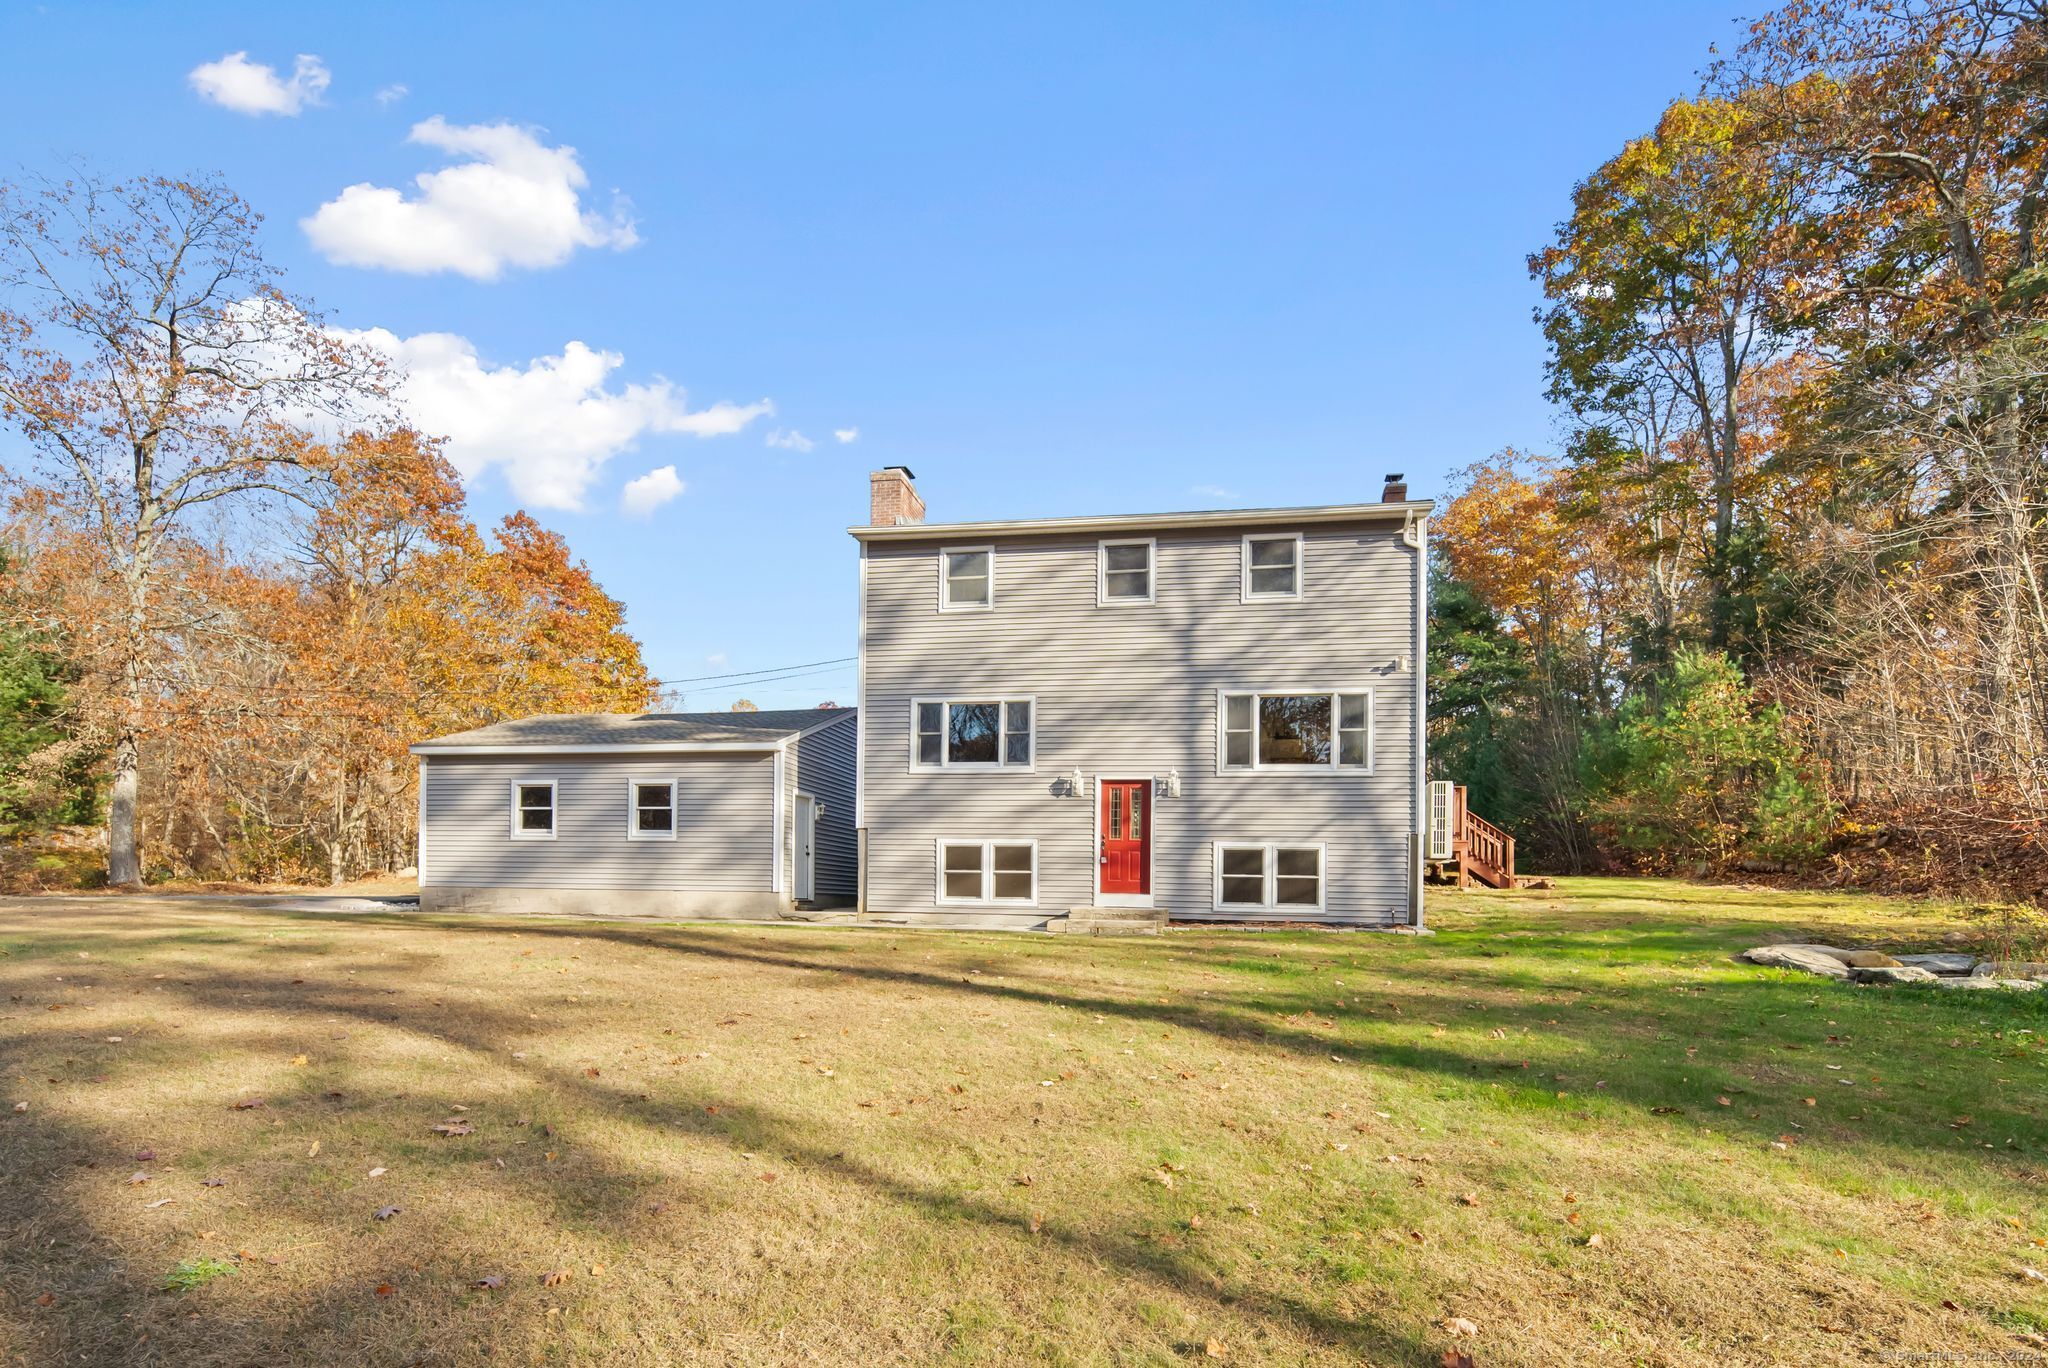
124 857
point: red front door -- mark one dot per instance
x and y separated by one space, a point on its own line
1126 836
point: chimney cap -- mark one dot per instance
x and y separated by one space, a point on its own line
1397 475
908 473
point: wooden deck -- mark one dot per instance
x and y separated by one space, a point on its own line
1479 850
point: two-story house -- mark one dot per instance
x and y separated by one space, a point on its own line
1209 714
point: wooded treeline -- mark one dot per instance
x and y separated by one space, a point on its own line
236 584
1778 597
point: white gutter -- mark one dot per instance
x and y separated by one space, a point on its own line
1142 522
620 748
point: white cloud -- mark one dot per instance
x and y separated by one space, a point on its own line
515 202
247 87
845 435
392 94
548 426
1213 492
642 496
789 439
718 660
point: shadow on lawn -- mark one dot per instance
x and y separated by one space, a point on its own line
1446 986
53 1241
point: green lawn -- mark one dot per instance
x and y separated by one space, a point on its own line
1568 1119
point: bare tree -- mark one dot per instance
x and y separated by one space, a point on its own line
156 367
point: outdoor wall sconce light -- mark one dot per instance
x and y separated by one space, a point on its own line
1075 784
1173 783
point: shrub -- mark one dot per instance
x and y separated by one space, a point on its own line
1696 770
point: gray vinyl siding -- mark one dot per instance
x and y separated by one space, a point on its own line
825 770
723 815
1131 691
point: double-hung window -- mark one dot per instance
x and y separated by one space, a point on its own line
1272 567
1282 730
1124 571
967 578
992 872
1276 877
533 810
650 810
993 733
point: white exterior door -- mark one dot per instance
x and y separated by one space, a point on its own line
806 846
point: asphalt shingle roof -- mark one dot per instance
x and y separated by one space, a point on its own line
638 729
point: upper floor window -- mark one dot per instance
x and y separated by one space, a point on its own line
1124 570
967 578
1277 730
1272 567
651 811
533 810
972 733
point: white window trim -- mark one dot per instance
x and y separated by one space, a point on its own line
1372 727
946 604
988 872
1244 584
1102 598
554 809
633 831
1272 876
1002 764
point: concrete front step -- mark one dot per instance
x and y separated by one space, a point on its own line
1110 921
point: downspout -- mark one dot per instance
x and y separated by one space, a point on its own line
420 830
1418 838
860 751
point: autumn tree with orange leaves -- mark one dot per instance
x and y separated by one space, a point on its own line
260 619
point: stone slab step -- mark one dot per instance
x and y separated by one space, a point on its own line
1110 921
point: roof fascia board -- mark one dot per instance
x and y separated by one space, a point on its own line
627 748
1233 517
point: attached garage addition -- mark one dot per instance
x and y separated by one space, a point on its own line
692 815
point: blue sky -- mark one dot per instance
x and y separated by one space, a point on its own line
1055 258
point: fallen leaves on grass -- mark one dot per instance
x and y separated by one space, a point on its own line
1458 1325
137 1179
379 1171
555 1278
385 1213
491 1282
213 1182
454 1125
248 1103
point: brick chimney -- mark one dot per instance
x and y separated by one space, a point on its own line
892 498
1396 490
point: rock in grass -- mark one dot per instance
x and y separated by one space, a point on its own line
1868 959
1904 973
1811 959
1986 982
2010 969
1940 964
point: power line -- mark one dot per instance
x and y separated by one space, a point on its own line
748 674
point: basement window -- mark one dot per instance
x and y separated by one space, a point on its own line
988 873
1269 878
